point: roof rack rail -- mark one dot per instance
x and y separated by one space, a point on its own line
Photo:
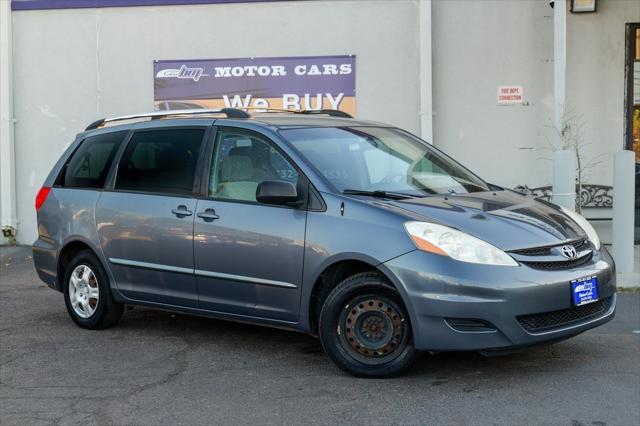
229 112
330 112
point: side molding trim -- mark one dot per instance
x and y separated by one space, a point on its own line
148 265
200 272
253 280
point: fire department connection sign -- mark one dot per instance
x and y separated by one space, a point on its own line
290 83
509 95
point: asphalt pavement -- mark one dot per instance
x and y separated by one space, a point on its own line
163 368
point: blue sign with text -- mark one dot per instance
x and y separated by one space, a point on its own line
584 291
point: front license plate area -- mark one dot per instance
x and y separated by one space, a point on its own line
584 291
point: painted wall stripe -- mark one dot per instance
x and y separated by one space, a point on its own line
81 4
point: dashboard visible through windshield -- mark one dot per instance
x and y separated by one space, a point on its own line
370 159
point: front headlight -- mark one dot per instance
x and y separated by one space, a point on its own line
585 225
447 241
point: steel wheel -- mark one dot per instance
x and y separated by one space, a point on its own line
373 329
84 293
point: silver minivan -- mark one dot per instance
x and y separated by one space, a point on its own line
355 231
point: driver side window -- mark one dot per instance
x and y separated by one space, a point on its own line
242 160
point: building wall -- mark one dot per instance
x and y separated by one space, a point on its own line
595 80
73 66
478 46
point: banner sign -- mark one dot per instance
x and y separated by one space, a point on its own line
296 83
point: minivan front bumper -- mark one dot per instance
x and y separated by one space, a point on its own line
463 306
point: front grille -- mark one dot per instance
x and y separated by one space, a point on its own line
562 264
546 251
564 317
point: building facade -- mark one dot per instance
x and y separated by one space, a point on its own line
435 68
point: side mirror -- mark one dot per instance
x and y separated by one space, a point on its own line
278 192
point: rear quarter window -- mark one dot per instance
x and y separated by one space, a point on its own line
89 165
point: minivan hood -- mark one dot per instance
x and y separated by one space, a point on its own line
506 219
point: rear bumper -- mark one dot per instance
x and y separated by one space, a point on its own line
45 260
519 306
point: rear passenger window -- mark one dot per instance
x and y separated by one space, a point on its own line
160 161
89 165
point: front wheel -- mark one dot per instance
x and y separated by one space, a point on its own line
364 327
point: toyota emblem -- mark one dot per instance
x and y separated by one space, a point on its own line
569 252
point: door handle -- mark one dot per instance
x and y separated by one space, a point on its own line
209 215
181 211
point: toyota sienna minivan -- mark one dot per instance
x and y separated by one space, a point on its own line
355 231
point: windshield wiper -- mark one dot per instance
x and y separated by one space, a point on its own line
379 194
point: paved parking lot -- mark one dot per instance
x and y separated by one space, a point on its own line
160 368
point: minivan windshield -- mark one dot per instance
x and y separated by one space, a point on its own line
381 160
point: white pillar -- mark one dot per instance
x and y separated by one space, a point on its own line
564 179
425 69
623 210
7 159
559 61
564 161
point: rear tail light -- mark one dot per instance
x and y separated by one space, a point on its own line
42 196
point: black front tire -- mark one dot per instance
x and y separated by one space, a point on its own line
107 311
365 328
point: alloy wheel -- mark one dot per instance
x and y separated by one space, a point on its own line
84 293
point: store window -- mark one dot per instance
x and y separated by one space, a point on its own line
632 109
633 89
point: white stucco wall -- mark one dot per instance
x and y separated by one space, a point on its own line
595 83
478 46
73 66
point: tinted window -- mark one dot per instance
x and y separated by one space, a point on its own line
242 161
162 161
89 165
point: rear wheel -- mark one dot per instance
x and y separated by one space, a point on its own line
364 327
87 293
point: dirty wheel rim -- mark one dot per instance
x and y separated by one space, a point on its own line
84 293
373 329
